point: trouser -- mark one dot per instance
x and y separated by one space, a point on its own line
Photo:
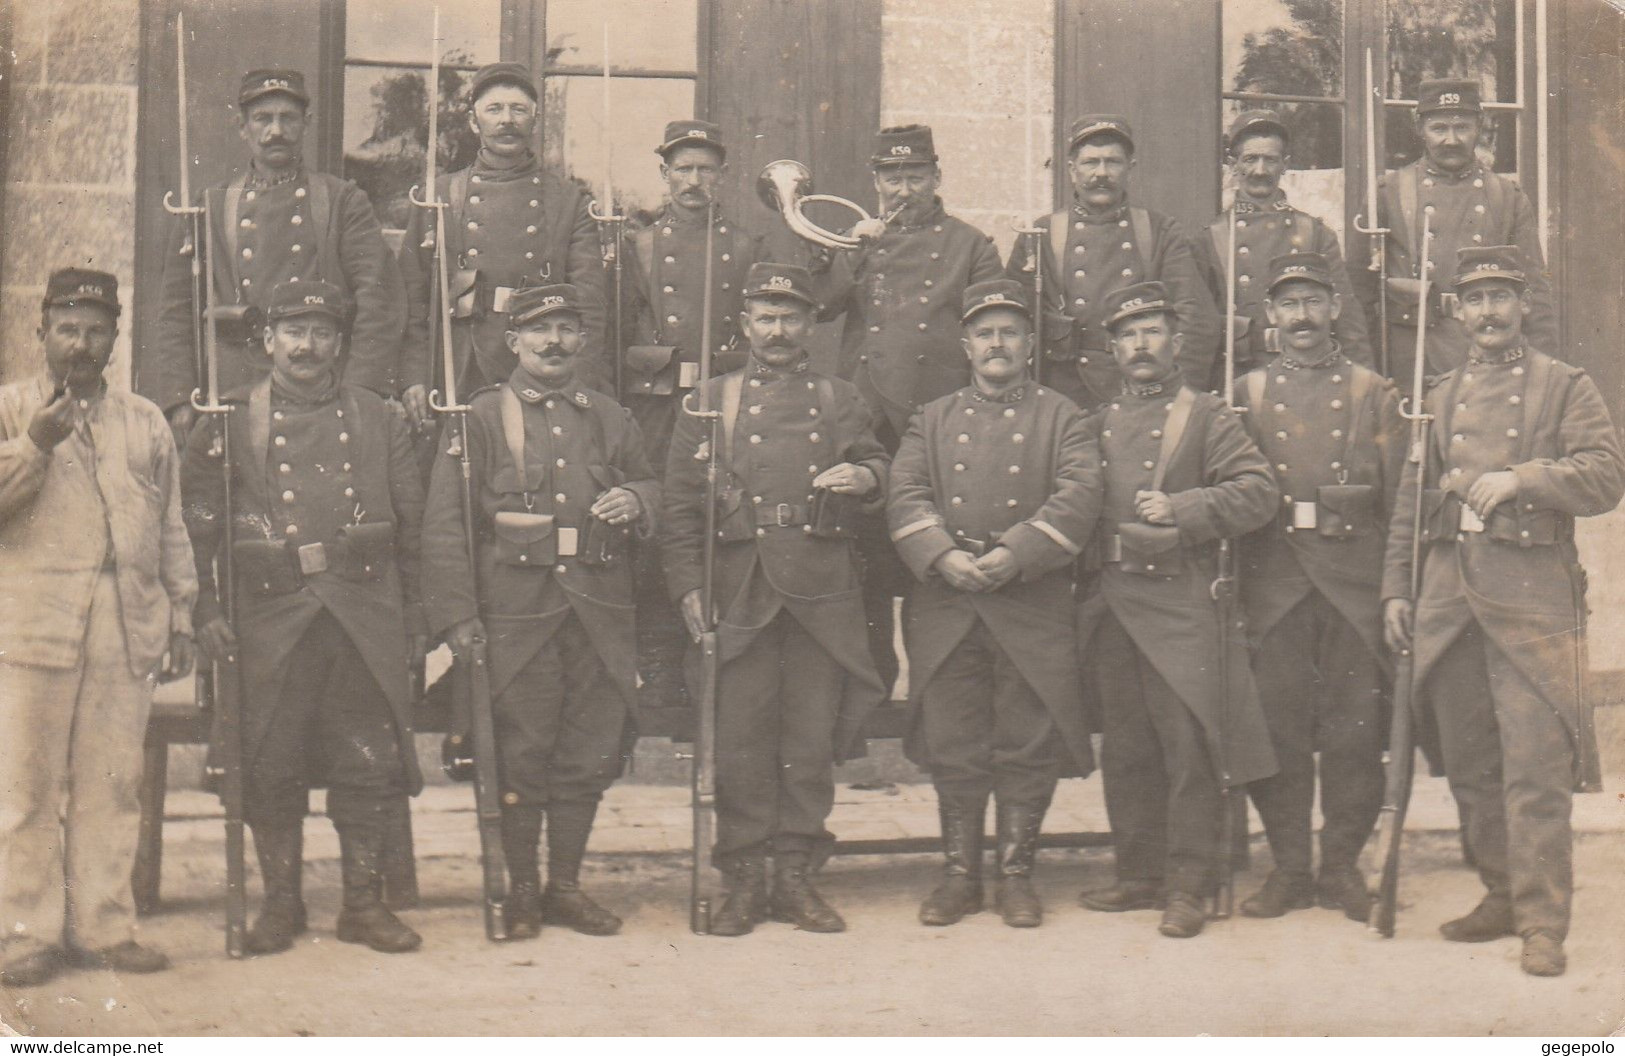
331 722
987 730
776 709
1162 796
662 637
1510 762
560 724
68 802
885 578
1320 687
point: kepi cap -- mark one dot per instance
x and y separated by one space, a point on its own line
1139 299
495 73
694 131
770 279
530 303
1475 263
257 84
904 145
1449 95
994 293
70 286
1305 267
1256 121
304 297
1090 125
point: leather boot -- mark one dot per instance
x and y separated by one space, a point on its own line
745 904
795 900
1123 896
1491 919
1017 833
365 919
279 845
521 832
569 824
400 869
1281 893
1342 887
1185 916
1543 954
960 892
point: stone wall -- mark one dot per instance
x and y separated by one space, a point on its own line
962 68
70 163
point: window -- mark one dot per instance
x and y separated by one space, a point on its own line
654 65
1478 40
1287 56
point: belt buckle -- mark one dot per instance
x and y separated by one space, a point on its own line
1304 514
782 514
1470 521
569 541
688 374
499 298
312 558
1114 548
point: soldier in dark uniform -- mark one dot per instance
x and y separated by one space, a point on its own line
664 276
1310 585
558 469
508 224
796 679
326 509
994 492
1102 244
1267 226
901 291
1180 474
273 222
1467 206
1522 445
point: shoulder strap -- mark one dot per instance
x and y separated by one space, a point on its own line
234 206
1140 223
457 199
1221 238
1255 389
1408 194
321 214
1499 189
259 421
1173 431
824 389
733 387
1359 390
513 433
1536 385
1057 237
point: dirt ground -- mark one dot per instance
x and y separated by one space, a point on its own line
1309 973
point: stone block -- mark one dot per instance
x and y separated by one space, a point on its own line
30 39
20 353
997 68
72 135
94 41
1031 12
927 67
49 228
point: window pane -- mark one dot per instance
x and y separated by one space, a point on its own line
1283 47
402 30
386 124
1474 39
573 138
643 34
1497 143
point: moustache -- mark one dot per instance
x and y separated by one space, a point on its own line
1298 328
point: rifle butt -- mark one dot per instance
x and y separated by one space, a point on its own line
487 793
1396 801
229 744
704 787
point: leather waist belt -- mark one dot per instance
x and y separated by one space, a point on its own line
781 515
1111 548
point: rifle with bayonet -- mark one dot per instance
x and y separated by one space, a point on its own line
613 240
471 695
1378 235
1223 591
1400 758
704 774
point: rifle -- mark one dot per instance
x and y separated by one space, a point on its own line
1223 592
704 774
1379 235
473 689
1035 240
193 246
1400 758
603 211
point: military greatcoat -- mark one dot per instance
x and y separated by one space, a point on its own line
1264 231
1520 580
314 226
506 228
1220 486
1025 473
901 294
305 474
1102 252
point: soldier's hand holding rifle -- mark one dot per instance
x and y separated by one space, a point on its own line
416 401
1397 615
462 636
693 614
179 657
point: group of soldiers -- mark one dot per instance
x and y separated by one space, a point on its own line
1059 519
